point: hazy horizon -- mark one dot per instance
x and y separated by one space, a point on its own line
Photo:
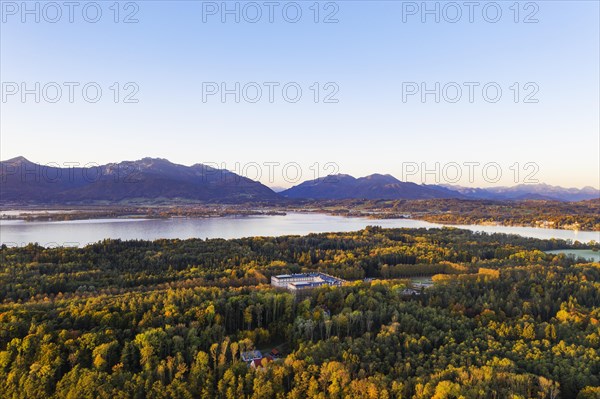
280 187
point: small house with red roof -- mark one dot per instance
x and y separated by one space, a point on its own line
261 363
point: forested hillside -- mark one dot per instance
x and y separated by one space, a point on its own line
170 318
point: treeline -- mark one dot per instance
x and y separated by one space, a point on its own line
582 215
507 320
111 266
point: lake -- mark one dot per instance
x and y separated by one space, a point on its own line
82 232
580 253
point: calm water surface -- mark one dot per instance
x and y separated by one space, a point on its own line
579 253
82 232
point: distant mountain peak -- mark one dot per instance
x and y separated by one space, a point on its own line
149 162
17 160
381 178
145 179
374 186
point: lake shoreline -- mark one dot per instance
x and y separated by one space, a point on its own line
83 232
571 216
50 215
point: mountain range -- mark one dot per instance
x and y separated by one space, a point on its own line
156 179
374 186
528 192
148 178
388 187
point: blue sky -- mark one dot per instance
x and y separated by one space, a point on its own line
372 53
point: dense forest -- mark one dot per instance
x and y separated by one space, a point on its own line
170 318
